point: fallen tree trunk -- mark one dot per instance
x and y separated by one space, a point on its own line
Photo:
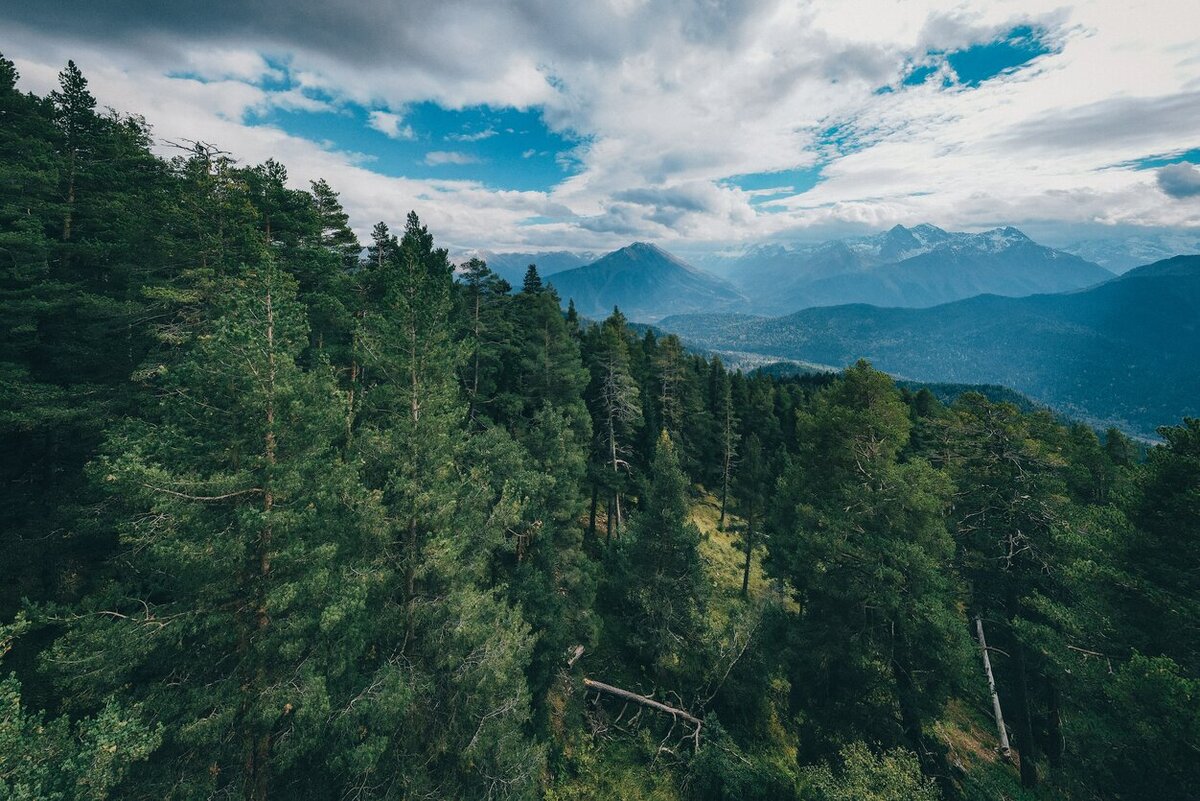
678 714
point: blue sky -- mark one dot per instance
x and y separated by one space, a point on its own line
529 126
504 148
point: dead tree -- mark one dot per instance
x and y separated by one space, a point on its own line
1005 749
675 713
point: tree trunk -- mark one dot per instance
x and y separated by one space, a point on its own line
724 498
609 522
1057 745
726 461
1005 749
749 552
69 214
472 403
259 746
1025 742
592 516
615 463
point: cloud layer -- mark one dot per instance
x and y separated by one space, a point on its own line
673 103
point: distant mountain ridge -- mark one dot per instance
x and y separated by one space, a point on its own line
1119 254
646 282
1123 353
905 267
512 266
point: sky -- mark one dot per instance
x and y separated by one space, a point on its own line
701 125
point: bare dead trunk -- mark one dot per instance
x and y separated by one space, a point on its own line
1005 749
612 455
674 712
726 462
350 400
724 500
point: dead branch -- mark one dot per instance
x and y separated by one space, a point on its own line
185 496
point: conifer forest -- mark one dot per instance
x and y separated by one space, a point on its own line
289 515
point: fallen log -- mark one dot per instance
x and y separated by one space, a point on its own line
675 713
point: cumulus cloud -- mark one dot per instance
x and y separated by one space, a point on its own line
390 125
670 99
1180 180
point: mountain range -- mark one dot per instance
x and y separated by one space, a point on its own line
646 282
1124 353
902 267
512 266
1119 254
905 267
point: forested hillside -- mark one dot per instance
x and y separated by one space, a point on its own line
1122 353
284 520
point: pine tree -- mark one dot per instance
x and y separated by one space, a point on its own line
75 115
727 439
533 281
862 540
335 233
1009 506
239 602
59 758
664 584
751 490
616 410
670 372
449 715
488 332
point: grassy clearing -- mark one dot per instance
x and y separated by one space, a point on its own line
970 738
724 551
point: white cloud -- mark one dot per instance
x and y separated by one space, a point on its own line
437 157
478 136
672 98
390 125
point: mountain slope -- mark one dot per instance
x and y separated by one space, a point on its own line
1124 352
907 267
646 282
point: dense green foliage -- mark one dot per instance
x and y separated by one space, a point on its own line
286 518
